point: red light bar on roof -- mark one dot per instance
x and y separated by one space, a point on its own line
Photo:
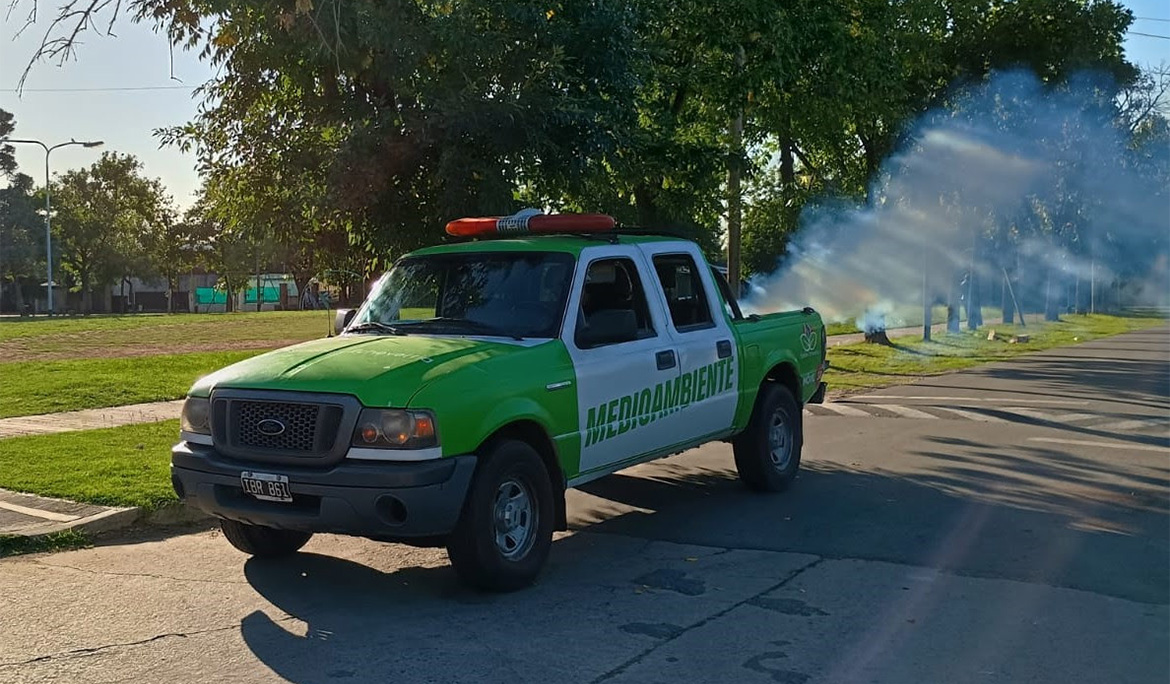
531 222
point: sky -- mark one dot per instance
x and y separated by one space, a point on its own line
72 101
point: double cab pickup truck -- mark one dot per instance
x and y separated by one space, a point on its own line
482 378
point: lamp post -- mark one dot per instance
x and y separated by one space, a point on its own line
48 216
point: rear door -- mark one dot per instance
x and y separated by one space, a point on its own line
624 358
702 335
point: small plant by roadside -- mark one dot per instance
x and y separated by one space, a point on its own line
13 545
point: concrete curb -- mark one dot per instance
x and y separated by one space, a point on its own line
117 519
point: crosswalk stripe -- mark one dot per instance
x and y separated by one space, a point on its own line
1018 400
1055 418
845 410
907 412
1124 425
970 415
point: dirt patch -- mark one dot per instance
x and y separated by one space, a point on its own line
14 351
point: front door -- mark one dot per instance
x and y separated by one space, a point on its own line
702 335
624 358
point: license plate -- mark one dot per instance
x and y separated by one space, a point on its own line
266 486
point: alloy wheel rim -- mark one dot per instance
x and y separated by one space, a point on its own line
514 519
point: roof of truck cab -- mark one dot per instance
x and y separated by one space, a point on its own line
568 244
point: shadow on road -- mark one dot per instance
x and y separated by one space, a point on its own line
1044 516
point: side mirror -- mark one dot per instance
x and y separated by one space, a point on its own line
342 319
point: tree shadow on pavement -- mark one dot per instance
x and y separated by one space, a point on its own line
1034 515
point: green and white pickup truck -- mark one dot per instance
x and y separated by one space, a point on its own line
481 379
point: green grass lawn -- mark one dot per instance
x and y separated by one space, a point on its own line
32 387
122 466
865 366
27 339
129 466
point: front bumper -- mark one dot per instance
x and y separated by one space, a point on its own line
381 500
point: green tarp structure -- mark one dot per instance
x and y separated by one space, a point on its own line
205 296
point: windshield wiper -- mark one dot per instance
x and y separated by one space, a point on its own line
375 326
486 328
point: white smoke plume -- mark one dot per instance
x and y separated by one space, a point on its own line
1018 177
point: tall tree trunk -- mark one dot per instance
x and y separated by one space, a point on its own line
953 296
734 194
1051 299
927 302
787 163
18 293
1006 304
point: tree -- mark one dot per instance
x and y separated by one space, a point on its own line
20 250
7 158
106 218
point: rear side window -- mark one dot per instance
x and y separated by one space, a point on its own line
685 295
613 305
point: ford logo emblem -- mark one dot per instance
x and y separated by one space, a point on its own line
270 427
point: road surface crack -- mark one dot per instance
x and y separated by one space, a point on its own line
138 574
705 621
91 650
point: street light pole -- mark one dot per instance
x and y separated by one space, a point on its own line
48 206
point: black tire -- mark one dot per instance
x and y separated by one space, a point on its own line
263 542
506 471
759 468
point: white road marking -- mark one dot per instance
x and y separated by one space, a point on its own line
970 415
1124 425
1115 445
1055 418
844 410
907 412
37 513
1014 400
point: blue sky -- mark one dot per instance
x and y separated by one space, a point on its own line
139 58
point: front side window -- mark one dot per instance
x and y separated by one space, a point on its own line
613 305
514 294
684 291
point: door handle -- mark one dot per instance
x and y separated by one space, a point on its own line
665 359
723 348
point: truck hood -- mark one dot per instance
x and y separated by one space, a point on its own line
379 370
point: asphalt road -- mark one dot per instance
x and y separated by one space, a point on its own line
1008 524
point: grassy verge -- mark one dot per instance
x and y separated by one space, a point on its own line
866 366
910 319
13 545
32 387
246 323
122 466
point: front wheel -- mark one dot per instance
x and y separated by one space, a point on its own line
505 531
767 453
263 542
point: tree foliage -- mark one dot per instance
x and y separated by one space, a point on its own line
339 134
109 221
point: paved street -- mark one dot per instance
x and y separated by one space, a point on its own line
1007 524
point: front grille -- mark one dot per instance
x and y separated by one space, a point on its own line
259 420
295 428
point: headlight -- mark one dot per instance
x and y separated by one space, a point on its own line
196 416
395 429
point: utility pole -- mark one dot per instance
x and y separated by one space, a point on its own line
48 206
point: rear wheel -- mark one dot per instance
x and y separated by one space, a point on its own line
767 453
263 542
505 531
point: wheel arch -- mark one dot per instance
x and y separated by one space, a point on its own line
534 435
785 375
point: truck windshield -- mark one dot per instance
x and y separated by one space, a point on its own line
512 294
